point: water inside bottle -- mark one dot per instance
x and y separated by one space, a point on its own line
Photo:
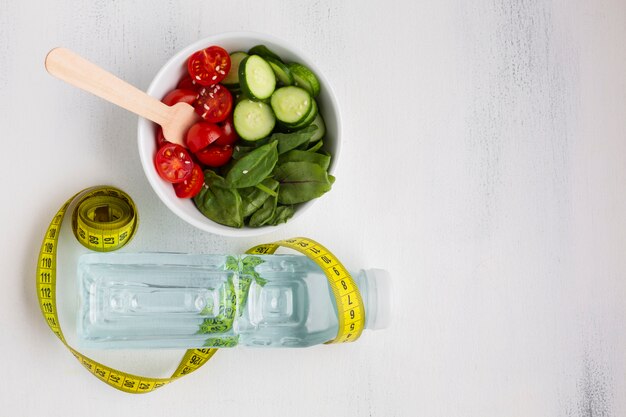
184 301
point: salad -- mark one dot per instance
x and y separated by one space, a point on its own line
258 151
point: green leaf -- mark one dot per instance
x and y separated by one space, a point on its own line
300 182
242 288
264 214
249 265
231 264
305 156
247 275
218 202
289 141
240 151
266 190
243 280
260 281
252 261
281 215
252 198
254 167
316 147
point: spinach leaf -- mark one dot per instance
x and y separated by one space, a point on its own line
254 167
232 264
289 141
266 190
252 198
264 214
213 178
300 182
252 261
218 202
281 215
240 151
316 147
248 268
305 156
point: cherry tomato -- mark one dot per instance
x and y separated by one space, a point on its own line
180 95
215 155
209 66
229 135
201 135
191 185
214 103
160 139
186 83
173 163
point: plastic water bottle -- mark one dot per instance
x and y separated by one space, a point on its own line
168 300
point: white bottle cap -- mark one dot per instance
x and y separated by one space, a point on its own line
379 299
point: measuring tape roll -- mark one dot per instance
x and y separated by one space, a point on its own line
105 219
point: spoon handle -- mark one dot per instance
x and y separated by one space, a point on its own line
76 70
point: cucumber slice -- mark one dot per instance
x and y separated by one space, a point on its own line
232 78
253 120
321 128
282 71
264 52
280 68
291 104
307 120
304 77
256 77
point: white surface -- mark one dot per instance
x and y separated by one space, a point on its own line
380 300
483 166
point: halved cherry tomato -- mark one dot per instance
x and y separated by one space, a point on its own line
173 163
209 66
214 103
186 83
201 135
215 155
190 185
229 135
180 95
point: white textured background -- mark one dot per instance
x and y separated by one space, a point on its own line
483 166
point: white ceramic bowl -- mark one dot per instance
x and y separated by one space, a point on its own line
166 80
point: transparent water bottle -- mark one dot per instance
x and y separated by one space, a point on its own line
168 300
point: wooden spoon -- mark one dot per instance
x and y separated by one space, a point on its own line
76 70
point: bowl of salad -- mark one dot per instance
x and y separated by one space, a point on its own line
266 141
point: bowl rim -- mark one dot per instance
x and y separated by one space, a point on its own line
144 126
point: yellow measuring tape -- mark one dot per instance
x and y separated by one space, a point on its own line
105 219
350 309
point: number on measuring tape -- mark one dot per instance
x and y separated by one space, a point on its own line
97 237
92 235
349 303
